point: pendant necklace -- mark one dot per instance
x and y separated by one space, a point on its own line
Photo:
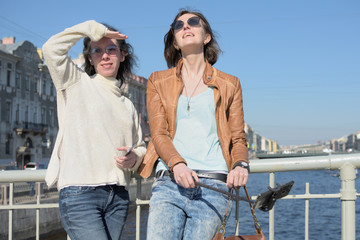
189 98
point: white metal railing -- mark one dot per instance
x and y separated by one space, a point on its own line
345 163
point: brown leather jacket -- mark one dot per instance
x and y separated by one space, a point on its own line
163 92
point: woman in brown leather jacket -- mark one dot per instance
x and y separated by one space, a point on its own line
197 128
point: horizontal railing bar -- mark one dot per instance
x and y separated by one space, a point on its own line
308 196
331 162
142 202
312 196
29 206
22 176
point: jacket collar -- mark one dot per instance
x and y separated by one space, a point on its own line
208 76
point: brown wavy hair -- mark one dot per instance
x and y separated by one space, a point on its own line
211 49
126 67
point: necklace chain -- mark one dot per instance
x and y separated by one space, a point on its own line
188 98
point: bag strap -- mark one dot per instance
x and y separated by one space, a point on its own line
221 231
256 222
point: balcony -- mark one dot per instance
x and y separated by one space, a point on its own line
23 128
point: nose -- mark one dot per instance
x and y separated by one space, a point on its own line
186 25
104 54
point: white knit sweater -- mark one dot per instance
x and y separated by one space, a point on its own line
94 119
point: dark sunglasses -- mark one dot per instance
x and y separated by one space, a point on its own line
193 21
110 50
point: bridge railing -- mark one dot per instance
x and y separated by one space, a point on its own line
345 163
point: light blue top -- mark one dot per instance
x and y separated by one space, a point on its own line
196 137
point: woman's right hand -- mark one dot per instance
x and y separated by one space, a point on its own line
184 176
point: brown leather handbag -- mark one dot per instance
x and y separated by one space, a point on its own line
221 232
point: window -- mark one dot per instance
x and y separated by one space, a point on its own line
51 113
8 112
9 66
43 115
8 79
52 90
27 114
17 115
17 80
35 85
27 82
35 116
43 89
7 146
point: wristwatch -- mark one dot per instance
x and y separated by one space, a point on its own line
243 165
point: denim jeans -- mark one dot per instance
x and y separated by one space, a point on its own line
185 213
93 212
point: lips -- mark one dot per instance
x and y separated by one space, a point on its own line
188 34
106 65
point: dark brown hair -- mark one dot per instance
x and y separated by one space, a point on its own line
211 49
126 66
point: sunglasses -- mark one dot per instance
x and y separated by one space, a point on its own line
193 21
110 50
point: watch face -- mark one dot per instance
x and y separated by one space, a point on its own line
244 164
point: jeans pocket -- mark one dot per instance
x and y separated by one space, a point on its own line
160 181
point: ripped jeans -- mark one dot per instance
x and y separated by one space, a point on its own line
185 213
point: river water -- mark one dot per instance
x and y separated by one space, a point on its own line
324 219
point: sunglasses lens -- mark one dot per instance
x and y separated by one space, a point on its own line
193 21
111 50
95 51
177 25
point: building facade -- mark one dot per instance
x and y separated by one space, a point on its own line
28 117
258 143
135 89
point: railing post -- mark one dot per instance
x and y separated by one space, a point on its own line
38 195
237 213
272 211
11 202
138 207
307 204
348 197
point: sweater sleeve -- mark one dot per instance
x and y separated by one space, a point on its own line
140 149
64 72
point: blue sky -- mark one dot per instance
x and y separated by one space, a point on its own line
298 61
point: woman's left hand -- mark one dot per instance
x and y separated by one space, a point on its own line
115 35
125 161
237 177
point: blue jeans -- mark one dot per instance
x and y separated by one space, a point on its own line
185 213
93 212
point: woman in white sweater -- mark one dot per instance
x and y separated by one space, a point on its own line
97 125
